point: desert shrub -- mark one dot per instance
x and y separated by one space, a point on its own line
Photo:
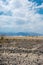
2 38
41 51
0 45
39 63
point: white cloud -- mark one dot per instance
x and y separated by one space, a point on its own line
23 16
40 6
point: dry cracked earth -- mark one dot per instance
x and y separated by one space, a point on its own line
21 51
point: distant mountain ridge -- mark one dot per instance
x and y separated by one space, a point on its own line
20 34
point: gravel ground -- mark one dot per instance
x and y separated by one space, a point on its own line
21 59
21 51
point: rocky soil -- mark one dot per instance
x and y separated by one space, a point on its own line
21 52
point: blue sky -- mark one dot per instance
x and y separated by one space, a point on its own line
21 16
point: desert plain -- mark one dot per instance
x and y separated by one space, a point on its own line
21 50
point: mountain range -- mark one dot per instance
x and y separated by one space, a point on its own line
20 34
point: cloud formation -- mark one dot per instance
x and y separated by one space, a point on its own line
20 15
